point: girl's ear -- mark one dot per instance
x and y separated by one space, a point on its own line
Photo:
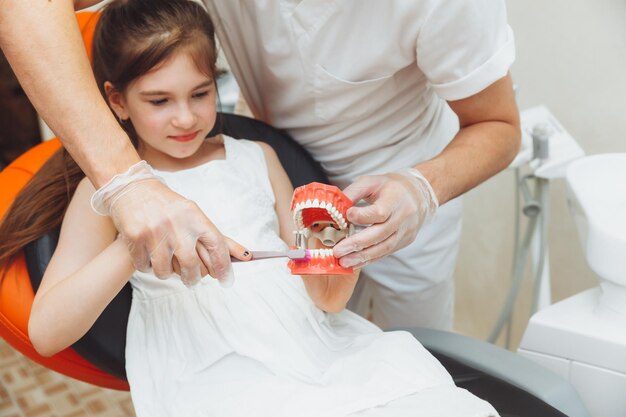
116 101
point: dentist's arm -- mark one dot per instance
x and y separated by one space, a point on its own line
486 143
42 42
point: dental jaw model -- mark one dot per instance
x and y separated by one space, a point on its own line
319 214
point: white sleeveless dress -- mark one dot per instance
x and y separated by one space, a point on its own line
261 347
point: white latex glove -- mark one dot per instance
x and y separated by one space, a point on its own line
163 230
399 204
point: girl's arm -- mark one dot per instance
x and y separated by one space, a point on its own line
329 292
88 268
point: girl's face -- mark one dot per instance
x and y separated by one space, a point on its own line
172 109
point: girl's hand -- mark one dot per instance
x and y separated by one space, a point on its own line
235 250
163 231
331 292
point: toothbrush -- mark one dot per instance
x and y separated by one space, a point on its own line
295 254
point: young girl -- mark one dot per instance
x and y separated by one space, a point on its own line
269 344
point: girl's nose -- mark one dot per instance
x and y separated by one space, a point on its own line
184 117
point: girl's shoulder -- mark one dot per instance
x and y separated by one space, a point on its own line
256 148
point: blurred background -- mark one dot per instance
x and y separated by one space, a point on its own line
571 56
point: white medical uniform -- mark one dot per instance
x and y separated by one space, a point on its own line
362 85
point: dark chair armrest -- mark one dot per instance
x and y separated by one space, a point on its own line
513 371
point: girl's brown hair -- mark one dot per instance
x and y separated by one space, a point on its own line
132 37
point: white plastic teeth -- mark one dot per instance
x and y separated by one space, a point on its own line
332 211
320 253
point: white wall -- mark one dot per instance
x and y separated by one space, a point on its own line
571 56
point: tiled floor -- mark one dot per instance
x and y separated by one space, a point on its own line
30 390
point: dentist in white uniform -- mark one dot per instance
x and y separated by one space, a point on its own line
406 103
370 88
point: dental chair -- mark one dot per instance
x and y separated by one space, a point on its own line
516 386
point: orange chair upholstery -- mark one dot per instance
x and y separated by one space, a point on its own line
87 24
16 292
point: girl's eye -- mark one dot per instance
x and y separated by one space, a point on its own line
201 94
158 102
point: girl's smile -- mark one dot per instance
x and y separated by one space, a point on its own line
185 138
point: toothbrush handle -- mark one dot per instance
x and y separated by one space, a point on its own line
256 254
260 254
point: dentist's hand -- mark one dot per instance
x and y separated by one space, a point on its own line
163 229
236 251
399 204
